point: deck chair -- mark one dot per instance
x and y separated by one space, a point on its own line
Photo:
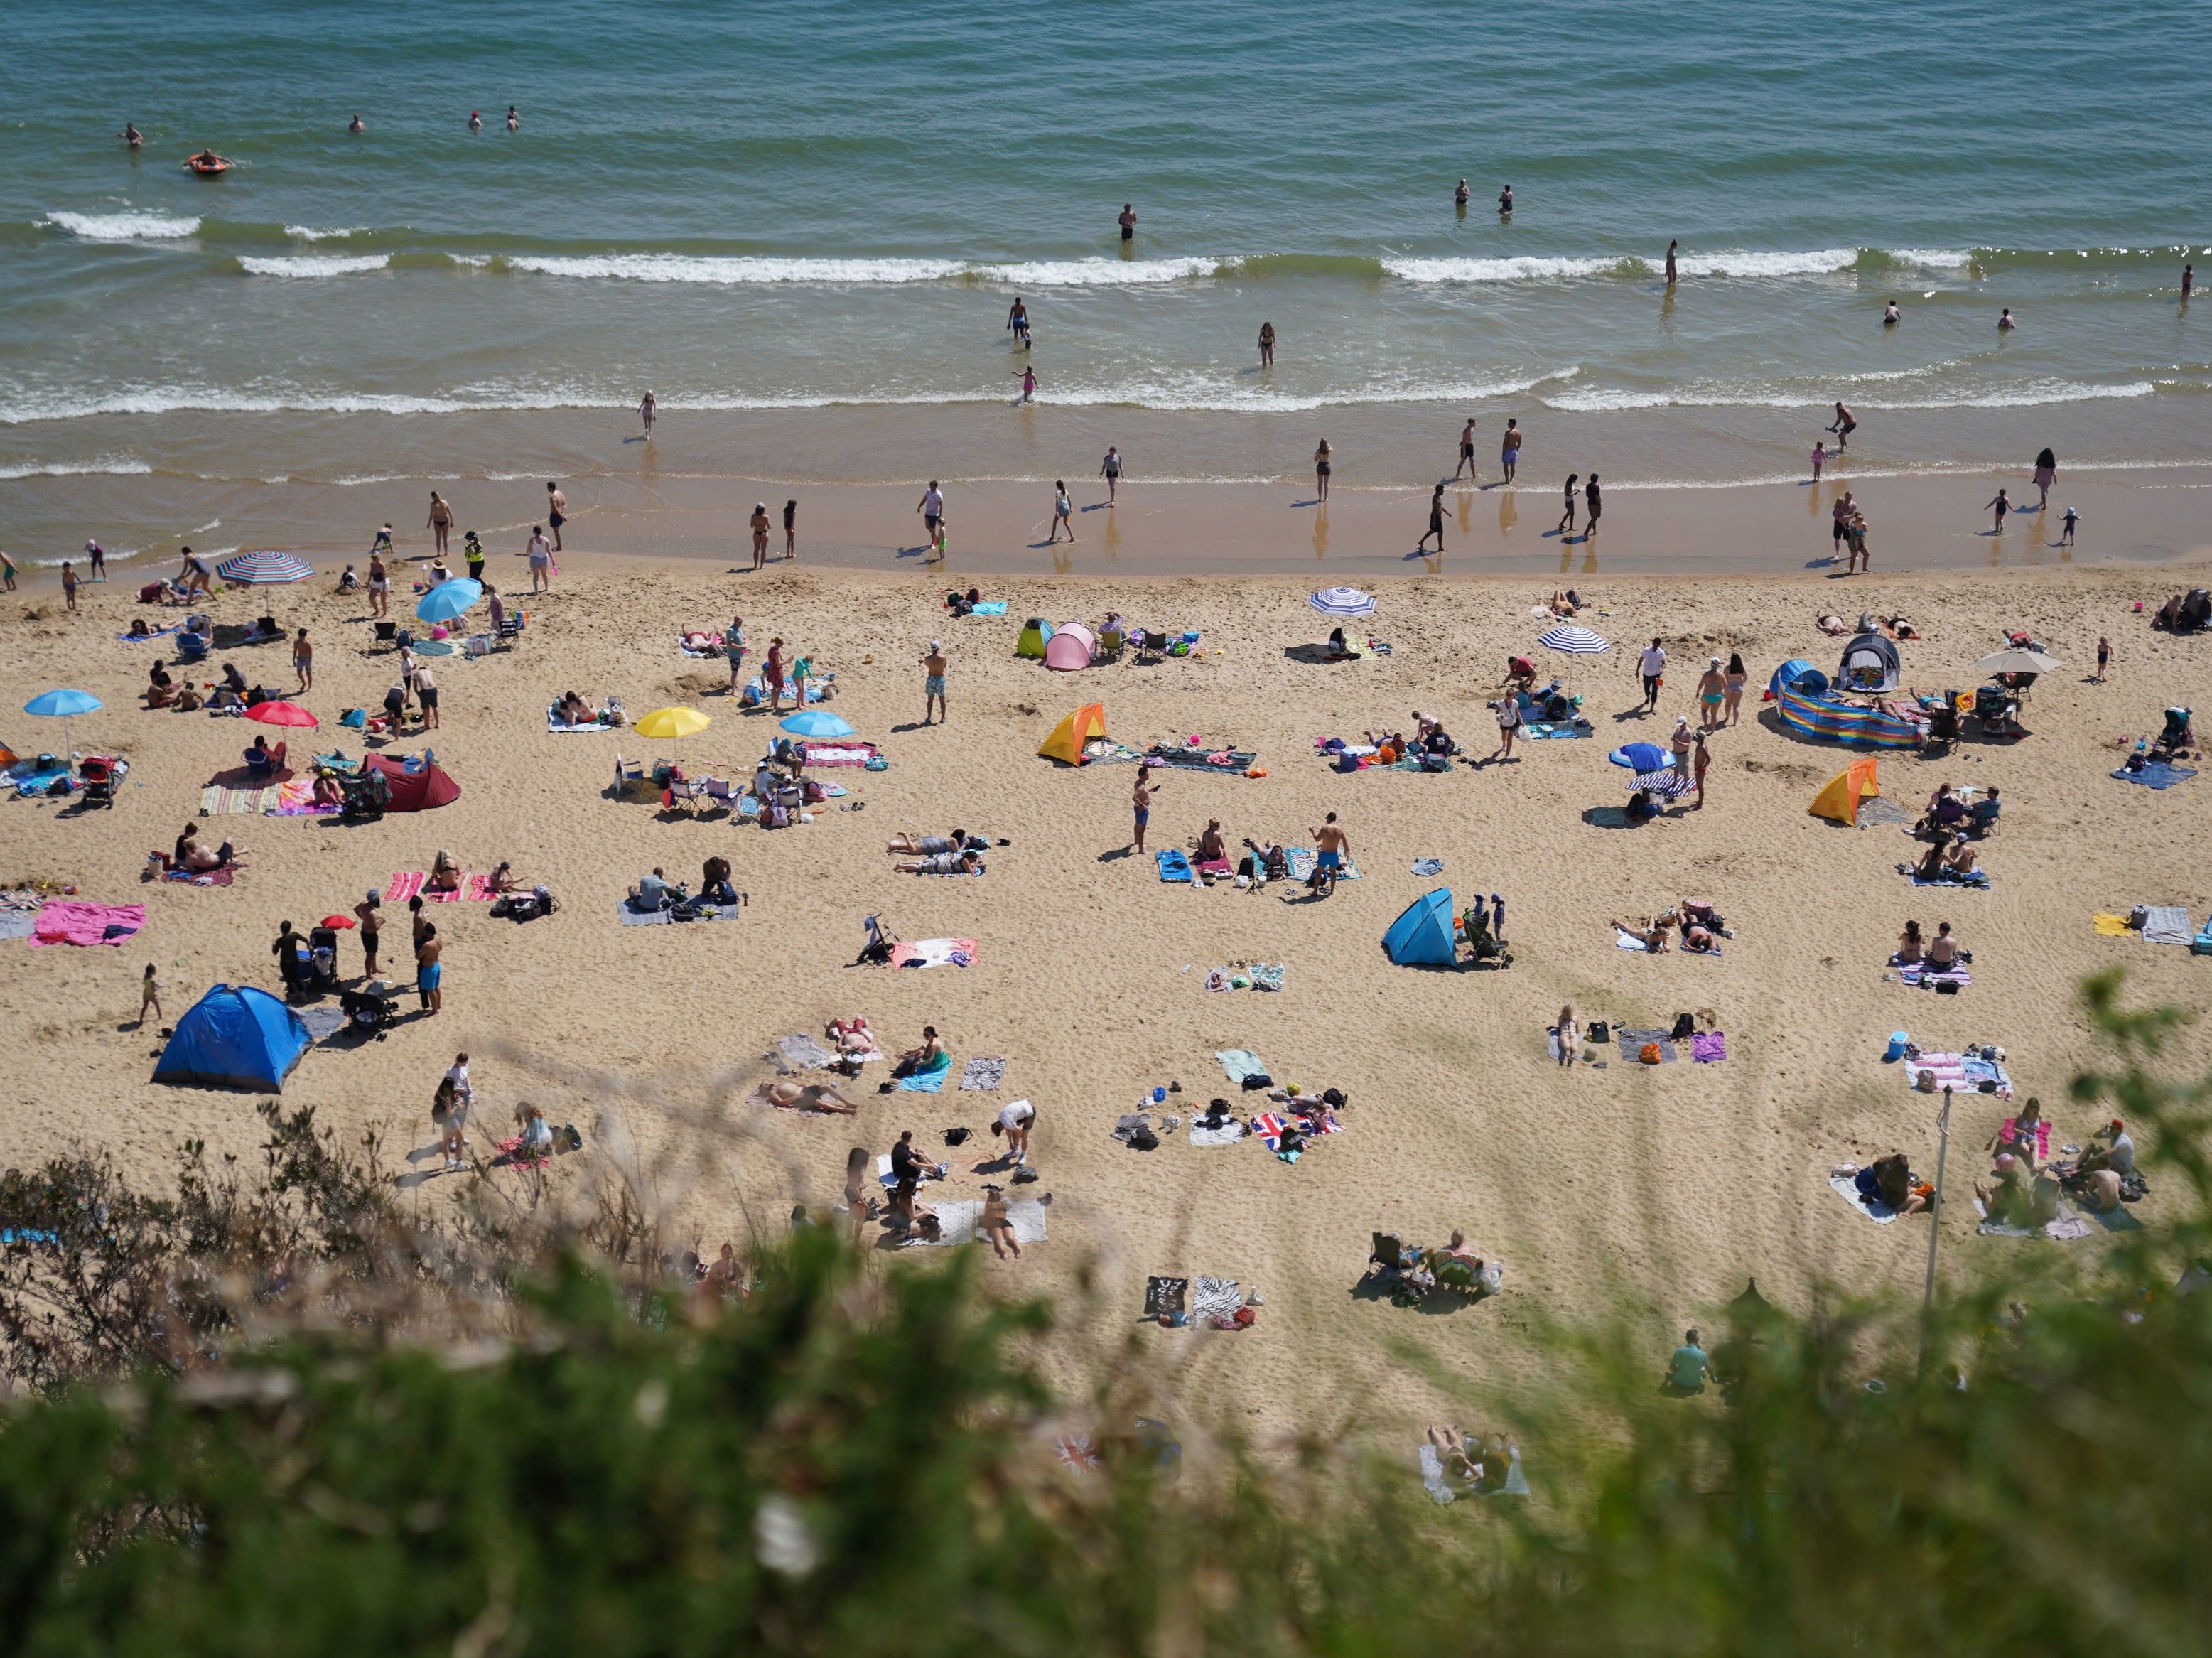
510 626
723 794
683 792
628 774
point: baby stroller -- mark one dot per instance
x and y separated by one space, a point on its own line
2177 737
877 951
97 776
1483 945
321 975
366 798
367 1011
1996 712
1394 1266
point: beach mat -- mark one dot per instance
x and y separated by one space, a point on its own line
959 1221
1304 858
414 884
1240 1063
926 1082
1961 1075
982 1075
1916 976
2109 925
1873 1208
803 1053
1631 1043
631 917
935 952
218 801
2166 923
322 1023
1228 1134
71 921
1174 866
2156 774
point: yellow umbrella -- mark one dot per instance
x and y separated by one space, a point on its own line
674 723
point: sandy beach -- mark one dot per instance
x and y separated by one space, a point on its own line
1621 1191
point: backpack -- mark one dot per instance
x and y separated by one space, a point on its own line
1143 1140
1685 1027
1600 1032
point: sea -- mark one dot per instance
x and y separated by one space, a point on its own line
771 211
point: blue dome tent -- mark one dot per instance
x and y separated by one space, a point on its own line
1798 675
1422 936
235 1036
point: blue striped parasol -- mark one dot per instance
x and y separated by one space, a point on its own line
262 569
1342 601
1574 642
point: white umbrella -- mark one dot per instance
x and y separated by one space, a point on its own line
1342 601
2020 659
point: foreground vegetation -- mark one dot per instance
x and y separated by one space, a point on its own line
262 1416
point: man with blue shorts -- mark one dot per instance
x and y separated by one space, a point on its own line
1332 843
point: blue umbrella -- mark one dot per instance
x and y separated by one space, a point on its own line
817 722
1640 758
449 599
1342 601
63 704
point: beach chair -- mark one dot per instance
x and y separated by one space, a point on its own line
721 793
629 775
683 792
510 628
387 633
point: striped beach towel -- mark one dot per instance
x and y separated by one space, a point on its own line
1961 1075
412 884
218 801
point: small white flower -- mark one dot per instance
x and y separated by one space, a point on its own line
782 1540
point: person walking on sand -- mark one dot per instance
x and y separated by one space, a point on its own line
1140 800
426 693
7 573
1819 459
1566 524
772 674
1999 506
1732 687
733 649
69 584
1509 449
371 916
649 411
790 532
441 521
1593 505
1110 470
1127 221
1266 345
1436 521
1466 452
2047 474
303 660
149 995
1322 463
557 513
430 970
380 586
541 561
1713 691
933 682
932 508
1652 664
1839 522
1509 722
1672 248
1028 378
2065 531
2104 656
1018 320
759 525
1845 423
1062 511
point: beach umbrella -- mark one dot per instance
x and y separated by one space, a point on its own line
818 722
281 713
1640 758
1573 641
672 723
261 569
338 921
449 599
1342 601
61 704
2020 659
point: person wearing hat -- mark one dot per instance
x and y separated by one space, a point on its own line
1713 691
760 535
371 918
933 681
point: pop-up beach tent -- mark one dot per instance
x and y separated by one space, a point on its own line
1037 633
1422 936
1869 663
415 788
1798 674
1840 799
1067 739
235 1036
1070 648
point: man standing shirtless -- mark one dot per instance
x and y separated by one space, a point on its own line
1141 800
1333 844
557 513
933 682
1466 452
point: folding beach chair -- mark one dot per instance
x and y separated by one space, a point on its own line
683 792
628 774
721 793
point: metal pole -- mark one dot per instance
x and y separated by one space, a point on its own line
1935 1222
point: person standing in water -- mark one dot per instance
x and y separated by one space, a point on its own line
1671 249
649 411
932 508
1110 470
1505 202
1592 504
1845 423
137 139
2188 281
2005 324
1129 222
1018 320
1890 314
1999 506
355 125
513 119
1322 467
1436 521
790 531
1466 452
1028 378
1819 459
1566 524
1460 196
98 555
2047 474
1266 345
1062 513
557 513
475 121
1509 451
441 521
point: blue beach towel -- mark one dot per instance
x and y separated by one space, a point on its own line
926 1082
1240 1063
2155 775
1174 866
989 607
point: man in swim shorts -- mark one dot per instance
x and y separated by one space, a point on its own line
1509 451
1846 423
1129 222
1332 843
933 681
1466 450
932 508
1141 799
557 513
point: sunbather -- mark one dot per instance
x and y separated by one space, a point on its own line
1651 934
574 711
998 1226
915 845
1942 948
261 761
1698 939
1909 948
330 789
2021 1134
851 1035
970 862
504 879
1945 811
1961 864
653 892
1982 816
1211 848
1931 866
1564 604
1451 1451
444 873
161 690
809 1096
928 1055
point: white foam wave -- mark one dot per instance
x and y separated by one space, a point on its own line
1818 263
2032 394
124 226
119 466
1525 267
1933 259
745 270
316 265
305 232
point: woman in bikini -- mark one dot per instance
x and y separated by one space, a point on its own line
1321 468
1732 688
1713 691
1911 951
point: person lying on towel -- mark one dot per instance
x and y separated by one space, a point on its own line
968 862
1651 934
915 845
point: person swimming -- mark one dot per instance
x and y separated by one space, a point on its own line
356 126
132 137
475 122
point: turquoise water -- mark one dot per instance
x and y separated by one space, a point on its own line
834 204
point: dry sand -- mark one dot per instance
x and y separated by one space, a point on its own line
1615 1191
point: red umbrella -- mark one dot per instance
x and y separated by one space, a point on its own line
281 713
338 920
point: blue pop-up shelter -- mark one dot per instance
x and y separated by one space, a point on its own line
235 1036
1422 936
1798 674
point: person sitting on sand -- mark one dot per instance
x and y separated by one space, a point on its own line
1651 934
1894 1184
504 879
998 1224
914 845
1931 866
808 1097
2005 1200
1910 949
161 690
2021 1135
1642 807
1943 949
1962 863
926 1056
330 791
444 873
574 711
653 892
967 862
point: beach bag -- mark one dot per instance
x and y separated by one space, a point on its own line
1600 1031
1143 1140
1258 1080
1347 762
1436 762
1649 1053
1685 1027
776 816
1947 987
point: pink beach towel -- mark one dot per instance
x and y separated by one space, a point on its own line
935 952
66 921
1709 1046
414 883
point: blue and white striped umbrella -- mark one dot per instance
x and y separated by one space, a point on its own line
1575 642
1668 781
1342 601
261 569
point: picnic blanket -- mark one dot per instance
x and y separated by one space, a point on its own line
988 607
1709 1047
1214 1298
1232 761
1240 1063
1846 1187
1632 1045
2166 923
928 1082
982 1075
632 916
959 1220
199 878
1544 728
217 800
1174 866
414 884
2061 1228
802 1053
1979 880
1303 860
1961 1075
935 952
1916 976
836 754
29 780
69 921
158 633
1228 1134
2156 774
322 1022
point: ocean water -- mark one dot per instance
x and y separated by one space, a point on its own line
831 206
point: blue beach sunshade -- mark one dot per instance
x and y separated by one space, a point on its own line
263 569
817 722
62 702
1640 756
449 599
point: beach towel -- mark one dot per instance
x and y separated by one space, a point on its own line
560 729
2109 925
632 916
512 1156
1228 1134
296 797
1267 975
1666 782
928 1082
1240 1063
68 922
158 633
1629 941
2155 775
2063 1228
30 780
1979 883
322 1023
2166 924
756 688
1174 866
1846 1187
1632 1045
836 754
1709 1047
203 877
1963 1075
1214 1298
959 1220
1539 729
18 913
935 952
1269 1126
988 607
803 1053
1427 866
1128 1124
1916 976
1304 860
1441 1488
217 800
413 883
1233 760
982 1075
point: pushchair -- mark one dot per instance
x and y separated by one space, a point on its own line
1996 712
877 949
322 968
97 776
1394 1266
1482 945
367 1011
366 798
2177 738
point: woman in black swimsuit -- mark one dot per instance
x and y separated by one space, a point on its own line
1320 468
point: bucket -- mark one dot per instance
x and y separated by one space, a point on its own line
1898 1040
